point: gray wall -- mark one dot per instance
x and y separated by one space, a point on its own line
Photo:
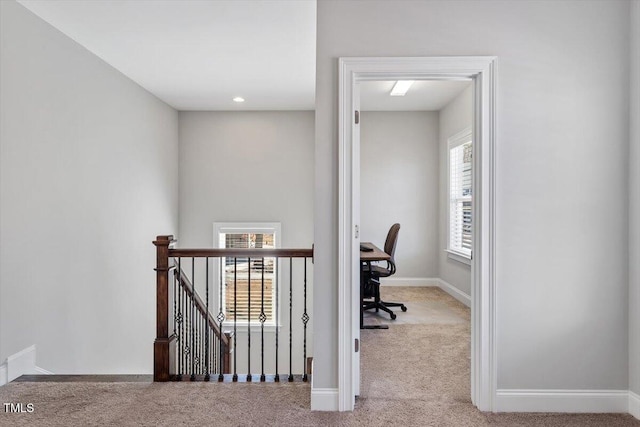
454 117
634 206
562 246
246 166
399 183
88 178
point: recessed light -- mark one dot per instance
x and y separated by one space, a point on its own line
238 99
401 87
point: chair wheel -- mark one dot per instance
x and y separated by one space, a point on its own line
393 316
403 308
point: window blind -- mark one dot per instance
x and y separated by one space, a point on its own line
460 198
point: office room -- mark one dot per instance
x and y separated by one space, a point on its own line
416 207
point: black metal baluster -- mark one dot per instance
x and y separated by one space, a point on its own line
200 359
290 319
206 319
193 309
305 319
263 317
181 296
276 378
220 320
175 311
235 316
249 323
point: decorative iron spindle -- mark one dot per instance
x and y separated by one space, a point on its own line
206 351
263 318
193 309
220 320
175 308
249 322
276 378
290 319
305 319
235 317
181 319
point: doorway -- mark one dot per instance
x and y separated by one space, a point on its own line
352 72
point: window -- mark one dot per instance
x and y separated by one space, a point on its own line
460 196
254 236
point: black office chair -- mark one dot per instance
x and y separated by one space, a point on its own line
373 273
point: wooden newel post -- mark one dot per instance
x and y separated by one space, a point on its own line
164 345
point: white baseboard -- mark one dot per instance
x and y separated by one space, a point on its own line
428 282
3 374
21 363
634 404
324 399
455 292
575 401
409 281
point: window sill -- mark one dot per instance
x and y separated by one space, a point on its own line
459 257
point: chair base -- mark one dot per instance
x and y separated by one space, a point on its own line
378 304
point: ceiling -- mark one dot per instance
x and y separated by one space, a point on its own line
424 95
199 55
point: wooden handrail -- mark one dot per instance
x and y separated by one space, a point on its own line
242 253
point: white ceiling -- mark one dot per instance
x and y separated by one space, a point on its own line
199 55
424 95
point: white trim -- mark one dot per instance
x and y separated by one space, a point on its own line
41 371
324 399
574 401
482 70
3 374
634 404
457 256
455 292
20 363
410 281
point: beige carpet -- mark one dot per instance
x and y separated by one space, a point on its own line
414 374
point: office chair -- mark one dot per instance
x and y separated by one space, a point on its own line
375 272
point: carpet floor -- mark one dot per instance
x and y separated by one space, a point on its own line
413 374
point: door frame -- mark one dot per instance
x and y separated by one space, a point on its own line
482 70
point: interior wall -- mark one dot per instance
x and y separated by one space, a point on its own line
562 246
634 205
246 167
88 178
455 117
399 183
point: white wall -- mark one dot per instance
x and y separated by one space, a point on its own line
455 117
88 179
399 183
634 206
562 146
246 166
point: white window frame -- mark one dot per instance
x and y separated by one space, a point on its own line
454 141
247 227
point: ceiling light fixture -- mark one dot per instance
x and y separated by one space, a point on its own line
401 87
238 99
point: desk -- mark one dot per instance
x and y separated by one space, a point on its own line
367 257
